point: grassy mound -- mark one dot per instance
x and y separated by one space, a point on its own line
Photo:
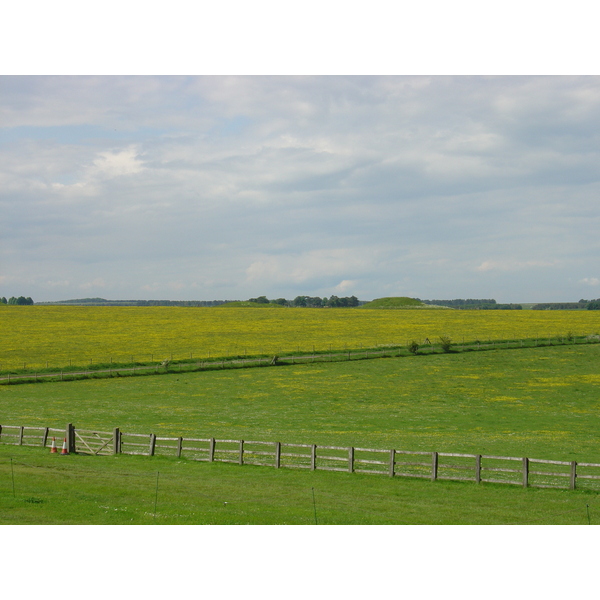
395 302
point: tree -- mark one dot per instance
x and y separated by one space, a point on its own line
21 300
594 305
281 301
300 301
314 302
333 301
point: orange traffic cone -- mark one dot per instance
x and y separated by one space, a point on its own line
64 448
53 449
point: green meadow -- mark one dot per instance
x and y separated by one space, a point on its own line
540 402
39 488
536 402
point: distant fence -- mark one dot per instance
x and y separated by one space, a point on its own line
171 365
478 468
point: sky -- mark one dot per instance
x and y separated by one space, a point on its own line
229 187
436 151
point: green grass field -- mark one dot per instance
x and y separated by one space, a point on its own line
536 402
40 488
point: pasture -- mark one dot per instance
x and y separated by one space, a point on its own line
537 402
41 488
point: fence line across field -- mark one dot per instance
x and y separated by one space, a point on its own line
382 350
478 468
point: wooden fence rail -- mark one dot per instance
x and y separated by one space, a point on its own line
478 468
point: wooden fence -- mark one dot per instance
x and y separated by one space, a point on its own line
478 468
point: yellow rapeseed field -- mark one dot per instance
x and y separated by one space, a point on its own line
63 335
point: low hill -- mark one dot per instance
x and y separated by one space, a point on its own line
396 302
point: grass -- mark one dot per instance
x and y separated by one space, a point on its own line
540 402
536 402
122 490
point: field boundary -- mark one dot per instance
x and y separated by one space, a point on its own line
191 365
477 468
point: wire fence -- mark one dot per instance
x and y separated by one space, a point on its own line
186 363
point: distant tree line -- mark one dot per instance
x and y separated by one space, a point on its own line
20 300
473 304
104 302
181 302
459 302
581 305
317 302
311 302
594 304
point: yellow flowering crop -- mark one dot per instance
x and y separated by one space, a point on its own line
59 335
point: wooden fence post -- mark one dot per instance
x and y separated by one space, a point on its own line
313 458
434 466
392 462
44 438
211 450
351 460
573 474
478 468
152 446
277 455
70 435
116 441
21 432
241 458
525 472
179 446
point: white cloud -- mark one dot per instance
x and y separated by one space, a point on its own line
312 268
593 281
513 265
111 164
343 287
97 283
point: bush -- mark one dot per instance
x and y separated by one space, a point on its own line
413 347
446 343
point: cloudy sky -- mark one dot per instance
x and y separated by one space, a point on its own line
229 187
